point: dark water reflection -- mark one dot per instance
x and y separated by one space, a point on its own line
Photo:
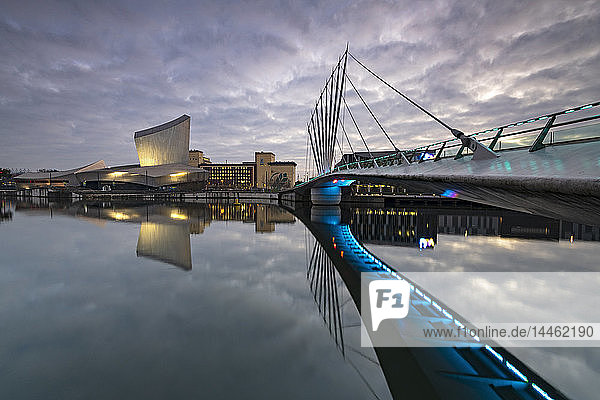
128 300
86 314
485 240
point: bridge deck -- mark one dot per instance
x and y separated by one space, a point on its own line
567 168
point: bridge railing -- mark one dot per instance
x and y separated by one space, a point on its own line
571 125
568 125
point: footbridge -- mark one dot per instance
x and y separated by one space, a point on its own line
517 165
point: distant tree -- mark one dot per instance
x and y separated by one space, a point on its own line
279 181
5 174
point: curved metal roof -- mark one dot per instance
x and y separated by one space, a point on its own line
161 127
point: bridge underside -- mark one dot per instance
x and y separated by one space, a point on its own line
560 180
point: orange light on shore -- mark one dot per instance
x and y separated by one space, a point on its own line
175 215
119 215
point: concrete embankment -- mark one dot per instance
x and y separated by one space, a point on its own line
75 194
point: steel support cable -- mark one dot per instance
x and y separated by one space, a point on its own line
325 130
307 146
312 144
310 141
365 381
315 270
330 303
328 105
306 251
336 306
480 151
308 166
338 98
335 96
322 257
319 134
366 357
341 94
323 135
311 268
316 275
326 82
331 138
330 121
340 141
313 165
339 146
358 129
339 87
346 134
316 133
312 133
333 101
402 94
306 153
338 315
321 126
371 112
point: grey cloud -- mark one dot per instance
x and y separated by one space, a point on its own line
76 79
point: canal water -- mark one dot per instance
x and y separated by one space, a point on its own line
146 300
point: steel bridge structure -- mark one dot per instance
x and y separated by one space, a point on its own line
514 165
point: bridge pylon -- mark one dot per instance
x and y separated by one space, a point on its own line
326 196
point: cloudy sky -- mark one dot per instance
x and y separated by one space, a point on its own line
77 78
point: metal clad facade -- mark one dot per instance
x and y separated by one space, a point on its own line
166 146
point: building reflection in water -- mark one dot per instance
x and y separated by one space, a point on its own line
264 216
165 229
419 227
168 243
5 210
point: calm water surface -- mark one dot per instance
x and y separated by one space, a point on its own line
130 300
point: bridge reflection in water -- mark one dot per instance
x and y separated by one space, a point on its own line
468 369
335 259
